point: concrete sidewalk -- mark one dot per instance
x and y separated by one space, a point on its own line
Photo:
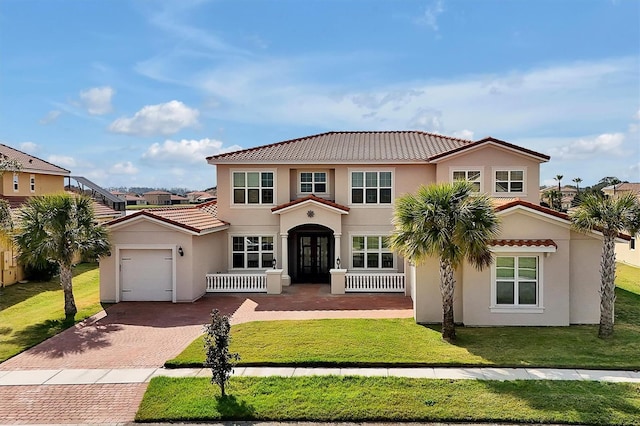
143 375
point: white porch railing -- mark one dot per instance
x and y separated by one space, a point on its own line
236 283
373 282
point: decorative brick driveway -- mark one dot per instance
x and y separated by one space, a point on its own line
136 334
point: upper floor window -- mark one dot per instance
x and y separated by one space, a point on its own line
253 187
32 183
371 187
16 182
371 252
509 181
472 176
252 252
313 182
517 281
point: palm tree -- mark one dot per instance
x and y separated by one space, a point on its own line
577 182
54 228
609 215
559 179
444 220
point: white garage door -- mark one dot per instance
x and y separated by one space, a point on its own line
146 275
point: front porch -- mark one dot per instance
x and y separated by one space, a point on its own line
273 281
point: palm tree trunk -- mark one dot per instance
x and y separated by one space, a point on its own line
607 286
66 274
447 286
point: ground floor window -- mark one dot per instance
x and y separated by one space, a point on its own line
371 252
252 252
517 281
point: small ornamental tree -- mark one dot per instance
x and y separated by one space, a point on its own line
216 343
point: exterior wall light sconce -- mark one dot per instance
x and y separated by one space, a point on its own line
180 251
338 263
274 262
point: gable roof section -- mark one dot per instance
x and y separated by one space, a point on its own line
487 141
31 163
348 147
562 217
310 198
196 220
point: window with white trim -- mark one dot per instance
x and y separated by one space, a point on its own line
517 281
32 183
507 181
253 187
371 252
16 182
313 182
252 252
472 176
371 187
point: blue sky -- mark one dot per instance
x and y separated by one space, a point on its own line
138 93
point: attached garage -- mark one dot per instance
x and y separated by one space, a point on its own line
146 275
163 255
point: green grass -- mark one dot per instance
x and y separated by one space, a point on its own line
331 398
401 342
32 312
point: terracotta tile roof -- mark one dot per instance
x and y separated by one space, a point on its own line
14 201
31 163
524 243
625 187
195 219
105 212
310 198
489 139
349 147
210 207
157 193
536 207
178 197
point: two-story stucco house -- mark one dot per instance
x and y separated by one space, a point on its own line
319 209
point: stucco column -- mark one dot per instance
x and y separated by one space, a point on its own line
284 262
336 255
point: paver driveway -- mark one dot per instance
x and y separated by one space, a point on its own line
136 334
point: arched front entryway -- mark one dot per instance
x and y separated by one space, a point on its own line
311 253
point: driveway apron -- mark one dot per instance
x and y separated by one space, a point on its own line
145 335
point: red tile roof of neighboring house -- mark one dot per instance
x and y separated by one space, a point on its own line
178 197
196 219
361 146
157 192
210 207
525 243
311 198
31 163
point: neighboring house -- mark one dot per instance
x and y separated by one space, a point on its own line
36 177
568 193
179 199
158 198
196 197
319 209
626 251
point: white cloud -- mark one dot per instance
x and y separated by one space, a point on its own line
62 160
463 134
186 151
97 100
163 119
29 147
123 168
605 144
50 117
431 13
637 115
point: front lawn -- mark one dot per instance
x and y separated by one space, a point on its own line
331 398
32 312
401 342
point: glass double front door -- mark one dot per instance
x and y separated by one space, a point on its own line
313 258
